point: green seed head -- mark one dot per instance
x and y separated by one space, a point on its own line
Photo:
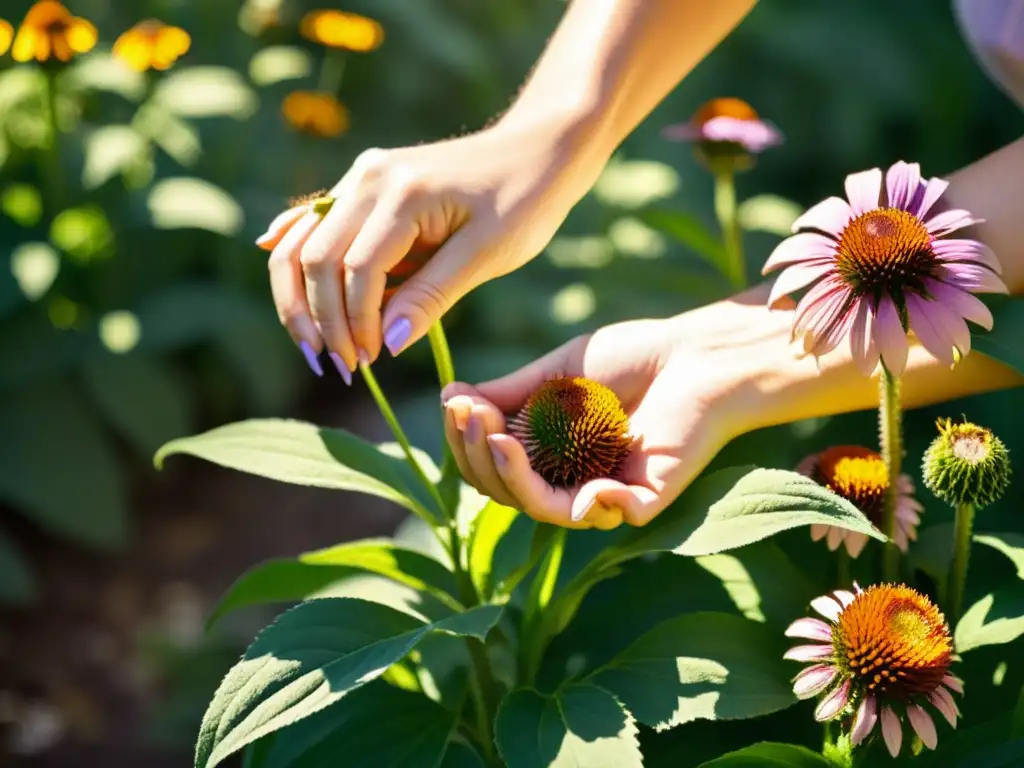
966 464
574 430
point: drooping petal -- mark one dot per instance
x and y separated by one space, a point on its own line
950 221
862 342
930 331
813 680
810 629
967 250
797 276
831 215
827 607
855 543
962 303
954 683
864 722
923 725
901 182
823 316
804 246
863 190
752 135
845 597
942 700
927 195
892 731
818 531
809 653
971 277
834 703
835 537
890 336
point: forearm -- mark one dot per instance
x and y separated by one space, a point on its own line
612 61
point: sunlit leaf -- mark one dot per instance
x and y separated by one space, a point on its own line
206 92
770 755
769 213
35 266
119 331
635 183
277 63
105 72
111 150
187 203
23 203
996 619
83 233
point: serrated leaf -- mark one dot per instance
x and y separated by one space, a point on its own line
17 584
300 578
701 666
996 619
305 454
311 657
581 725
769 755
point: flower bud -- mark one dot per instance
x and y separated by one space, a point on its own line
966 464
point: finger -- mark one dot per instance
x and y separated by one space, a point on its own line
453 432
427 295
534 496
288 289
486 420
280 226
638 504
509 393
384 240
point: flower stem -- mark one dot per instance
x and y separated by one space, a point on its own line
843 568
401 438
53 174
450 477
961 556
890 426
535 628
332 71
728 220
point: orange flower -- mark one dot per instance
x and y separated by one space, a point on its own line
48 30
336 29
6 35
316 113
151 44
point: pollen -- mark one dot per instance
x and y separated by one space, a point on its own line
727 106
886 249
894 642
857 474
574 430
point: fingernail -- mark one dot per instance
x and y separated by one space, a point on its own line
363 357
346 374
499 458
581 514
397 335
311 358
473 430
266 237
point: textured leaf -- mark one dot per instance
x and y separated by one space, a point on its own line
1010 544
300 578
581 725
996 619
769 755
701 666
305 454
17 584
310 658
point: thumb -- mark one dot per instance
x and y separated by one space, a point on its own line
510 392
423 299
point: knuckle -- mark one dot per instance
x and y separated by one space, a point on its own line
372 163
314 256
429 298
406 185
290 313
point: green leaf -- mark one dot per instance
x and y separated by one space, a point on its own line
111 150
1003 341
301 578
701 666
1010 544
58 467
305 454
581 725
486 533
996 619
769 213
140 396
690 232
461 756
17 584
504 545
34 267
277 63
769 755
190 203
206 92
310 658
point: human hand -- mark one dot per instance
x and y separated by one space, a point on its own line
463 211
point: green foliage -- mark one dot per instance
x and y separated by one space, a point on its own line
769 755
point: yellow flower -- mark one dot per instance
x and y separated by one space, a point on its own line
151 44
48 30
336 29
6 35
316 113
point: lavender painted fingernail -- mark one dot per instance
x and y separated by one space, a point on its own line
346 374
473 430
311 358
397 335
499 457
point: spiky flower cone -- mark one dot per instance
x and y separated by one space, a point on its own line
966 464
574 430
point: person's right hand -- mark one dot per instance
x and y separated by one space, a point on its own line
487 203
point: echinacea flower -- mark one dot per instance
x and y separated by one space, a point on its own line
574 430
6 35
316 113
882 655
861 477
880 266
49 30
726 127
966 464
152 44
337 29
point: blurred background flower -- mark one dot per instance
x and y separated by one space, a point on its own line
6 35
50 31
318 114
151 44
336 29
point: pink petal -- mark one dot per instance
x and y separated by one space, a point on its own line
967 250
830 215
681 132
797 276
809 653
890 336
923 725
926 322
823 316
845 597
942 700
862 342
855 543
805 246
970 277
901 182
810 629
905 484
950 221
753 135
818 531
827 607
927 196
833 704
954 683
835 537
813 680
962 303
863 190
899 538
892 731
864 722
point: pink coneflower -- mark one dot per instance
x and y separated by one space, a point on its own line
729 122
860 476
882 655
880 265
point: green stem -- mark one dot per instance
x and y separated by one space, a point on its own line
890 425
53 174
332 71
961 557
728 220
535 628
450 477
400 436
